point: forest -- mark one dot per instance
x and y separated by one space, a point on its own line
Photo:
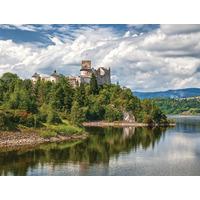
44 103
189 106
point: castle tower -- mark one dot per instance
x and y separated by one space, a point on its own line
103 75
54 76
35 77
86 71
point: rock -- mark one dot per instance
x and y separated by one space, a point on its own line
128 117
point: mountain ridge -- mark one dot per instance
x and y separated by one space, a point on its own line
177 93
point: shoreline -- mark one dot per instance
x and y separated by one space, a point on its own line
18 139
14 140
123 124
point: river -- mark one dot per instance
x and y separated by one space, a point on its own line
115 151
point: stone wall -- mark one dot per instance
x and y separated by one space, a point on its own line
103 76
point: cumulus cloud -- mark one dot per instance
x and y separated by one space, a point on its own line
180 28
159 58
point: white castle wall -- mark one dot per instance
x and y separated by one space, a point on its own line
102 75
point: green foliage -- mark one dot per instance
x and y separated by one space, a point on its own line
26 119
66 129
59 129
113 114
10 119
148 119
53 117
32 105
43 112
77 114
47 133
80 95
179 106
7 121
61 95
49 115
93 85
158 116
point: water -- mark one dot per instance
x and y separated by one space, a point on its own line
115 151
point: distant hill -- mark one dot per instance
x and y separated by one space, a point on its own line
179 93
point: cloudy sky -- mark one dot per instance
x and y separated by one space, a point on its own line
141 57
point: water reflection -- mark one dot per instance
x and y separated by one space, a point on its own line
102 145
187 124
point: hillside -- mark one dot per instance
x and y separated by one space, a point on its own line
185 106
45 103
179 93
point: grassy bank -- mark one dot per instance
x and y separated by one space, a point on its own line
22 133
30 137
22 121
64 129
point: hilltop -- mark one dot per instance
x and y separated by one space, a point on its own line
43 103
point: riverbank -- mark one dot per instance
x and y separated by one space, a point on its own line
33 137
23 138
122 124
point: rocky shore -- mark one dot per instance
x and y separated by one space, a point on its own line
122 124
19 139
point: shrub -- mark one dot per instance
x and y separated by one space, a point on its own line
27 119
64 129
43 112
148 120
112 113
49 115
53 117
7 121
158 116
77 114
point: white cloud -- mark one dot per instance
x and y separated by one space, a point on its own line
180 28
165 58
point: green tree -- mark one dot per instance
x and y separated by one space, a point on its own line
53 117
80 95
158 116
77 114
62 95
112 113
93 85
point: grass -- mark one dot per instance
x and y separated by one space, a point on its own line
65 129
50 130
60 129
47 133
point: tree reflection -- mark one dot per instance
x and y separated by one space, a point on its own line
98 148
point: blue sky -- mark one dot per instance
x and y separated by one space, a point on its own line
141 57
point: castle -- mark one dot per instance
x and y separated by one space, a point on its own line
102 75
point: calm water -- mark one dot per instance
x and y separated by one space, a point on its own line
115 151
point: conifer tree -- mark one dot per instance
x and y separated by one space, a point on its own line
77 114
80 96
93 85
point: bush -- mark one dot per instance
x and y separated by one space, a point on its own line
7 121
49 115
53 117
77 114
64 129
148 120
27 119
43 112
158 116
113 114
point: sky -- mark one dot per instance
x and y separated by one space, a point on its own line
141 57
